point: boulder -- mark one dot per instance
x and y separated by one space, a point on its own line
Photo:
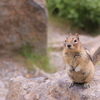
23 23
52 87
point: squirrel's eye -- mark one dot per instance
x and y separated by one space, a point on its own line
75 41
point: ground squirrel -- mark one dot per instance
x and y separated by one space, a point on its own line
79 63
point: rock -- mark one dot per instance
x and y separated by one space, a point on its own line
3 93
56 60
52 87
3 90
23 23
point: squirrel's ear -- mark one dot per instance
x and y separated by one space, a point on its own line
64 43
77 35
70 34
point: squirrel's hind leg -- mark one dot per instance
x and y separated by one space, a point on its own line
86 85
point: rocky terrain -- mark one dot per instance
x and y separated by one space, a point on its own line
22 24
10 68
14 72
52 87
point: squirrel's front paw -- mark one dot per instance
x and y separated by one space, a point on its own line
78 68
69 67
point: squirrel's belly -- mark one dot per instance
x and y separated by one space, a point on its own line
85 75
81 77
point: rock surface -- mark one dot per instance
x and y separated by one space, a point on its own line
23 22
52 87
11 68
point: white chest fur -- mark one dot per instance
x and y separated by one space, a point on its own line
76 69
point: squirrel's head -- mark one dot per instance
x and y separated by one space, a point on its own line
72 42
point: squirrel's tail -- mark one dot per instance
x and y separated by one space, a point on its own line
96 56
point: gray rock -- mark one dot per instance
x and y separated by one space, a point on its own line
23 22
53 87
2 85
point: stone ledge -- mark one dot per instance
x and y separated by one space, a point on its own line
52 87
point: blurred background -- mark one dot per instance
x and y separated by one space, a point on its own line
68 16
32 33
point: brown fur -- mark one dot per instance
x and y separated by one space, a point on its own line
96 56
77 56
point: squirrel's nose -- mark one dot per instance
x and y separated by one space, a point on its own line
69 45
